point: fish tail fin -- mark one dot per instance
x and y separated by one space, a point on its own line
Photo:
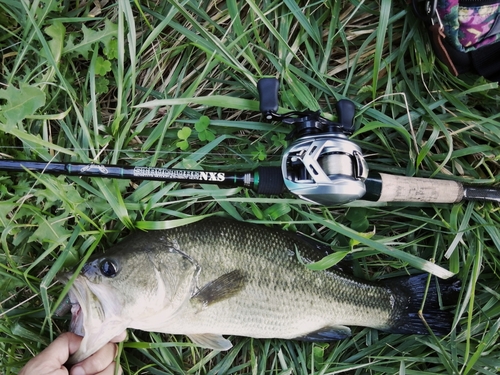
417 297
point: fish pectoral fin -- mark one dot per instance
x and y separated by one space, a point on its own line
329 333
211 341
222 288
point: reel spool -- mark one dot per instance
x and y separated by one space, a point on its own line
321 165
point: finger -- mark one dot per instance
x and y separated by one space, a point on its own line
74 341
60 349
51 359
121 337
42 370
110 370
97 362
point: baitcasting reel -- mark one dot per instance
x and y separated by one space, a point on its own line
321 165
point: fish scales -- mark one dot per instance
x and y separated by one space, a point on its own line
307 299
222 277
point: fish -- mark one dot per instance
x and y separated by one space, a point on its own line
220 277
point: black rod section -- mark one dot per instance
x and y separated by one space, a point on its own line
264 180
472 193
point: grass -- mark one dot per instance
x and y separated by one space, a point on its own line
81 79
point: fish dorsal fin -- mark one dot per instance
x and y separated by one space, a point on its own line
222 288
211 341
328 333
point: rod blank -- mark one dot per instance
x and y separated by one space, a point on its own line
263 180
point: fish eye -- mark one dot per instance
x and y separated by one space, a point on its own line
108 268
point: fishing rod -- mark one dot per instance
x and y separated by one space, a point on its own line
322 165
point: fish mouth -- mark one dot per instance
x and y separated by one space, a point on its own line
77 316
78 302
93 316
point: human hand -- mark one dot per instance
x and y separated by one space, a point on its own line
52 359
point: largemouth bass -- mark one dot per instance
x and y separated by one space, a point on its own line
220 277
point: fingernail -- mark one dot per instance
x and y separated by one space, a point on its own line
77 370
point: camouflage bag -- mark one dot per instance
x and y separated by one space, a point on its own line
464 34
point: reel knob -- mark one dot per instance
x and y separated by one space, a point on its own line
268 96
346 110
